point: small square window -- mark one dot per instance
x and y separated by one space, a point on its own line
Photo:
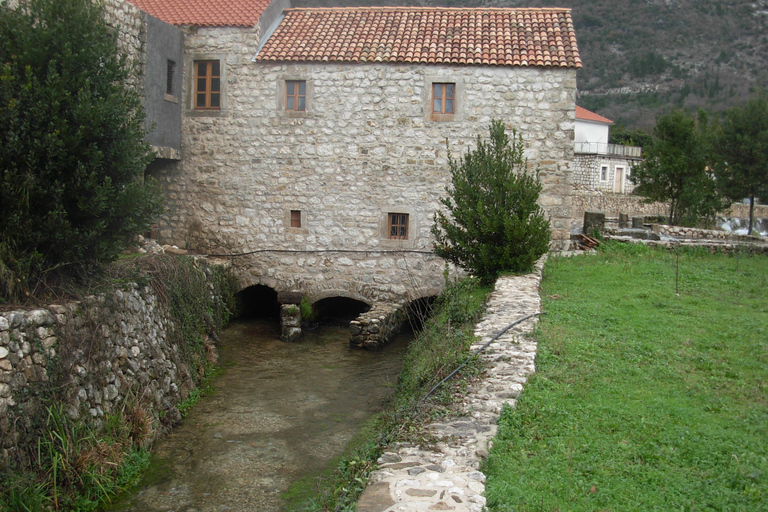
443 98
295 218
604 173
398 226
207 85
296 95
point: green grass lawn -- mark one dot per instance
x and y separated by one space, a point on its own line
644 398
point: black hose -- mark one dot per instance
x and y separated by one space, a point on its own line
478 351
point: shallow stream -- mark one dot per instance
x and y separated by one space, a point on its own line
281 411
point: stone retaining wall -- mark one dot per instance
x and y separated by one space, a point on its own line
95 357
611 204
741 211
690 233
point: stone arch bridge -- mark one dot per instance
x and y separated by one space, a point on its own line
386 280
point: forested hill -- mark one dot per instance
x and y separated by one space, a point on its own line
641 56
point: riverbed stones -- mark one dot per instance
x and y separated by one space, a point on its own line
447 475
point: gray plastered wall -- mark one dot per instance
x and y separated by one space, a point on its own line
163 122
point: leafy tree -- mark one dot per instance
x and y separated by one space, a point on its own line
742 153
675 168
621 135
71 142
493 223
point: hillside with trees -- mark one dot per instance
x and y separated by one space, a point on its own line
643 56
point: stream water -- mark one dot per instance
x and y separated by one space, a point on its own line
280 411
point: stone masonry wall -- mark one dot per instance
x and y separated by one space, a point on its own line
365 147
369 277
373 329
105 353
131 29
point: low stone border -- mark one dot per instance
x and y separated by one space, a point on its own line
447 476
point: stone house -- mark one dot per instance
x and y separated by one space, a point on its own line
314 142
598 165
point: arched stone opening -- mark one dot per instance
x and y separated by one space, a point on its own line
258 301
339 309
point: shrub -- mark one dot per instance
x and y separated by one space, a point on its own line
72 150
494 223
676 168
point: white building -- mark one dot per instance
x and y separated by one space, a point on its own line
599 165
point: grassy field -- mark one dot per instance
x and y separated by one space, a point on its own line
649 395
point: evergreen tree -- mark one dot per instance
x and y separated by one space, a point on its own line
675 168
742 154
72 151
493 223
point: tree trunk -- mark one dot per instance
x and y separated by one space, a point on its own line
751 213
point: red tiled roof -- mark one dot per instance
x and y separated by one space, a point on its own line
205 13
586 115
481 36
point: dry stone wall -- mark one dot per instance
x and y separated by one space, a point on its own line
375 328
741 211
365 147
96 356
687 233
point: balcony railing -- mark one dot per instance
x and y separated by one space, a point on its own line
601 148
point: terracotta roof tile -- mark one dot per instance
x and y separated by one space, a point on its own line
479 36
205 13
586 115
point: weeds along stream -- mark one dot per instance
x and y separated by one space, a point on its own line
279 412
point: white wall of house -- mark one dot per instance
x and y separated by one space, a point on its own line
591 136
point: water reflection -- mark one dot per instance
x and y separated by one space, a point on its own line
281 411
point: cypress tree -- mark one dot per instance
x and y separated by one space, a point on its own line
492 223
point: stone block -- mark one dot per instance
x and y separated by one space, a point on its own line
638 222
623 220
290 297
593 221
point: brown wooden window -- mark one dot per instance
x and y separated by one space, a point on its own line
295 95
443 98
170 65
398 226
295 218
207 85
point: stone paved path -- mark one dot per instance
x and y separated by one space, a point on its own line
447 477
